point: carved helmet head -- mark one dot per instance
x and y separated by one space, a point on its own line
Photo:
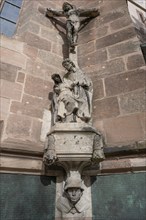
73 182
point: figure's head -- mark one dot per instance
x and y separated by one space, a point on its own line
67 6
73 189
56 78
68 64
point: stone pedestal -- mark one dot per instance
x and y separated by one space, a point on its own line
73 146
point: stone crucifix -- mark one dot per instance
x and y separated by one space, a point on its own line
73 22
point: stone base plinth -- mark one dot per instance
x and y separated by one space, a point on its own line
73 141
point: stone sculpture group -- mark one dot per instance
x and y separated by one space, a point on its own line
71 117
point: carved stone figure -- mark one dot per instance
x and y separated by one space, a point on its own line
64 103
49 150
72 96
82 88
73 23
72 203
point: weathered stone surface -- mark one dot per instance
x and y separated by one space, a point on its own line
4 109
11 44
106 68
125 82
30 51
8 72
36 130
102 31
93 58
51 35
114 165
13 58
50 58
116 37
35 41
142 118
31 106
106 108
133 102
72 138
87 36
124 48
123 129
98 90
18 126
120 23
20 77
37 87
46 124
11 90
86 48
135 61
30 27
112 6
57 49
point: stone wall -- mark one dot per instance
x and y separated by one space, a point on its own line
28 60
108 50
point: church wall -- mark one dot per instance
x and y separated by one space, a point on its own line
109 51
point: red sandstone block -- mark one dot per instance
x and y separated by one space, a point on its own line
40 70
120 23
13 58
93 58
31 106
11 90
35 41
87 36
50 59
84 49
125 82
21 77
106 108
29 26
36 130
133 102
135 61
8 72
116 37
142 118
51 35
30 51
57 49
123 129
102 70
124 48
102 31
4 109
11 44
98 91
111 6
37 87
115 165
18 126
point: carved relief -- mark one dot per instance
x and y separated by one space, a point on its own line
72 203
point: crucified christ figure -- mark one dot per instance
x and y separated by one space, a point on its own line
73 23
